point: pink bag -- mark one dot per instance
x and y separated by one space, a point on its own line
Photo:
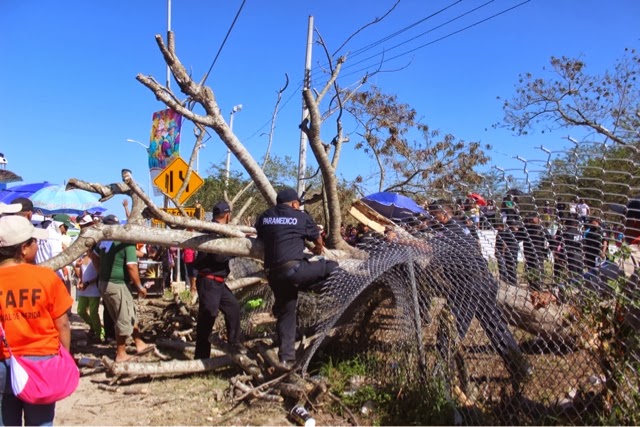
45 381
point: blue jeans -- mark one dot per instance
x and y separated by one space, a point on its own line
13 408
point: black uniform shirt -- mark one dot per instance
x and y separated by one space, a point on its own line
283 230
206 263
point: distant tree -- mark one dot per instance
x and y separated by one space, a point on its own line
593 172
607 104
434 161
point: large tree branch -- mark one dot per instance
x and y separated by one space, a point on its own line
204 96
312 130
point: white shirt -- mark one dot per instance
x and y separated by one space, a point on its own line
582 209
50 247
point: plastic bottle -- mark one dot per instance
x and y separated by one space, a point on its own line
302 417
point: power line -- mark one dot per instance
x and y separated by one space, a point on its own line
389 37
204 79
403 43
420 35
436 40
402 30
295 91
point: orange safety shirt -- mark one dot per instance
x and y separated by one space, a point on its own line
31 297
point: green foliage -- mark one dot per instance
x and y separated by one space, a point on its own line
617 347
597 174
387 399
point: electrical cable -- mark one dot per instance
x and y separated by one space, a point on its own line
204 79
370 46
420 35
400 44
436 40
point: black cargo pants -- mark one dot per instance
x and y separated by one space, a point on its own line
305 277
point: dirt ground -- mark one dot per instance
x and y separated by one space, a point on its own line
198 399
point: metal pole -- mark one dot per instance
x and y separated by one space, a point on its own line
302 160
416 314
166 199
168 31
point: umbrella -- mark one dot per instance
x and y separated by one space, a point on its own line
478 198
55 199
393 205
23 190
515 192
8 176
98 210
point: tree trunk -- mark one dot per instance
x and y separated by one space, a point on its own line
553 323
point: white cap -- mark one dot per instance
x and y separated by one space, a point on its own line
17 229
85 220
10 209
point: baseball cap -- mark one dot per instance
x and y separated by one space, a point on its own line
220 208
85 220
64 219
631 210
287 195
10 209
27 205
16 229
111 220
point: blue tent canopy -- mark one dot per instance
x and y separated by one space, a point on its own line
393 205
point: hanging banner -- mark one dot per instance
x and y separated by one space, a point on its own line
164 143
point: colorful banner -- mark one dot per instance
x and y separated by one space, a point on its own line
164 143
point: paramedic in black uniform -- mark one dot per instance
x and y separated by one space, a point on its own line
214 294
284 229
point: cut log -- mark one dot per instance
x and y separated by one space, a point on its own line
184 311
554 322
188 349
244 282
135 369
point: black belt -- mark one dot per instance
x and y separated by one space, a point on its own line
287 268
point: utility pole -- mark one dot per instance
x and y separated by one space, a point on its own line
165 198
302 161
168 31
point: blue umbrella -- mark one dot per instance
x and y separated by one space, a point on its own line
98 210
393 205
24 190
55 199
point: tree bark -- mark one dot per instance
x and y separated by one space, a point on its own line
553 323
133 369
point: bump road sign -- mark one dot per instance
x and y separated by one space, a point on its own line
171 178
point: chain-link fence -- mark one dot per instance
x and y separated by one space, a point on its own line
514 301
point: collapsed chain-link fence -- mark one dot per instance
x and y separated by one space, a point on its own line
532 318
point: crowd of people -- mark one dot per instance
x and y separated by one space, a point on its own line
566 234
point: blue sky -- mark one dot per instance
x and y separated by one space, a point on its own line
70 98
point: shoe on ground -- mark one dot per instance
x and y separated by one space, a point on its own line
238 348
285 366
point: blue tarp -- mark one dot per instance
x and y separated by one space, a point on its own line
393 205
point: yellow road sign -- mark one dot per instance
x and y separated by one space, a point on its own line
192 212
171 178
